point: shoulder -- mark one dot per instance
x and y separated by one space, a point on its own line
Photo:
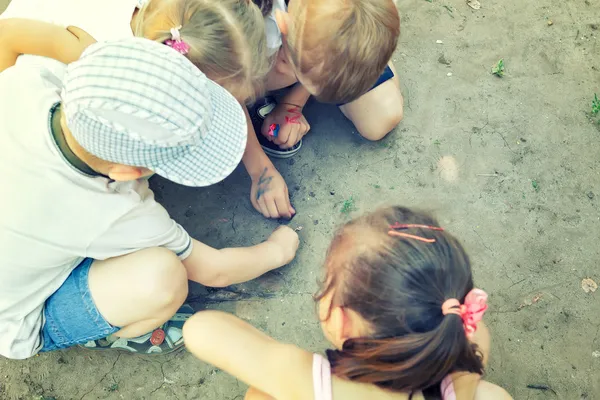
489 391
27 97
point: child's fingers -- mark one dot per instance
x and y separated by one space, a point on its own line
263 207
284 208
283 135
272 208
293 138
289 202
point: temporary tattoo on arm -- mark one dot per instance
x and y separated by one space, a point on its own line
296 115
263 184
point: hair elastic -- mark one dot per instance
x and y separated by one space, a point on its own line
471 312
176 43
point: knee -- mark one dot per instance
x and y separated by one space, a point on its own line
165 279
383 126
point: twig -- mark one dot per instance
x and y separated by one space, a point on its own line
494 175
542 388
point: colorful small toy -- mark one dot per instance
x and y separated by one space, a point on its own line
274 130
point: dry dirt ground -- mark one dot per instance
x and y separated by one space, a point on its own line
523 195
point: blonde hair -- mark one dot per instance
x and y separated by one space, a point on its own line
227 38
343 46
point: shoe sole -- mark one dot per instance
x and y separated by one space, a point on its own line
282 155
176 349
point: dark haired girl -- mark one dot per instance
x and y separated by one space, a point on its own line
399 306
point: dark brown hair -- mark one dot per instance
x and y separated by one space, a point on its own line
398 286
343 46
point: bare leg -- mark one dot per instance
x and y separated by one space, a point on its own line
376 113
139 291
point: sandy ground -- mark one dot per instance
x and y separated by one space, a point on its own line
523 195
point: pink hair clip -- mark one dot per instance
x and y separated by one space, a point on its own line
394 228
176 43
471 312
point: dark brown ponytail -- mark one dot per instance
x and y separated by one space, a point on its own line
409 363
398 286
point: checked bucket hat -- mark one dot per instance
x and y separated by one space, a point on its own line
141 103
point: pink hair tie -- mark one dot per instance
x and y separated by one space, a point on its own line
471 312
176 43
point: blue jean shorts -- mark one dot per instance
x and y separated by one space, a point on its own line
71 315
385 76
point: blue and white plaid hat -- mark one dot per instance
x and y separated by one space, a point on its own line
141 103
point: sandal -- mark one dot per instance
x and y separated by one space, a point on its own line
166 339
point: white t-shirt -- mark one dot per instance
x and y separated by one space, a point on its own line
274 39
53 216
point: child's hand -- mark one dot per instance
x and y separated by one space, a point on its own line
269 194
84 39
292 125
287 241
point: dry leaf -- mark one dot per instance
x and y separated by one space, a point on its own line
474 4
588 285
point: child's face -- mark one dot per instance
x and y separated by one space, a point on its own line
286 22
306 82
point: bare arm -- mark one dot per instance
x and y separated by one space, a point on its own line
298 95
225 341
467 384
224 267
269 193
22 36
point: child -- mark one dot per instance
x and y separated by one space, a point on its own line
85 250
398 305
337 50
225 39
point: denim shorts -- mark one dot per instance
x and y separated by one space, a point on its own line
71 317
384 77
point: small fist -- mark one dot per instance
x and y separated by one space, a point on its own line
287 242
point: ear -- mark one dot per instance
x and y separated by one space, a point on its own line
340 326
283 21
124 173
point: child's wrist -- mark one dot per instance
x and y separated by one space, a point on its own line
274 254
292 104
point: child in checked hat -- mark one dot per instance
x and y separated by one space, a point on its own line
87 256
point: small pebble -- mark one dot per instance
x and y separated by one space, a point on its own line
449 74
550 22
439 42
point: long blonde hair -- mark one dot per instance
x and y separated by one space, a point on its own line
226 37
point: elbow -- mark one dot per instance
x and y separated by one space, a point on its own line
211 277
219 281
